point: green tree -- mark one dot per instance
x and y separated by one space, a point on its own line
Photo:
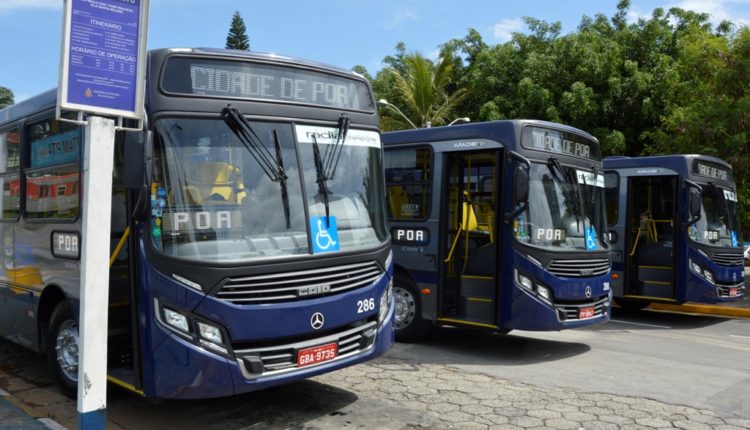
6 97
237 37
422 87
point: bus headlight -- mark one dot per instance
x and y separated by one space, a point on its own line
524 281
210 333
708 275
695 267
543 292
176 320
385 301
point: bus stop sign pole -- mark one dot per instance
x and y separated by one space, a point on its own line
95 243
102 74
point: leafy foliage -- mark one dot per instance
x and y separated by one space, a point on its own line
6 97
237 37
668 83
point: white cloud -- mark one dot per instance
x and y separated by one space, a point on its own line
400 17
719 10
504 29
13 5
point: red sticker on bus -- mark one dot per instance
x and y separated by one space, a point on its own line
316 354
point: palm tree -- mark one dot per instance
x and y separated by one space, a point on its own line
422 87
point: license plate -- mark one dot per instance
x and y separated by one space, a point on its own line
586 312
734 292
316 354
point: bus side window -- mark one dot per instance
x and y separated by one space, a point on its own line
408 182
53 173
9 165
612 196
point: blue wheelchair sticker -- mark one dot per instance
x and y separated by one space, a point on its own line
735 242
324 239
590 239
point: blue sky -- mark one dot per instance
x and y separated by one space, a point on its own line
339 32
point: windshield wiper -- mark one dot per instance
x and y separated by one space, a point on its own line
565 182
325 166
333 153
321 178
282 179
272 167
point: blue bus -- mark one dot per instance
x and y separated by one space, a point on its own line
497 225
674 230
249 238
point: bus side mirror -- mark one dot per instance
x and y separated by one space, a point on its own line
137 157
694 203
521 185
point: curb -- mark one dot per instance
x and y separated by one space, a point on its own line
727 311
25 417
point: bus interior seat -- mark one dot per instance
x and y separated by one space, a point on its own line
211 180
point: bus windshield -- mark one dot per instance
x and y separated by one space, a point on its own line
565 209
719 223
212 198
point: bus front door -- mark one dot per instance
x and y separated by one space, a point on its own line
468 288
652 225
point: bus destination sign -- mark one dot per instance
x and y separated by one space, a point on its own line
249 80
712 170
559 142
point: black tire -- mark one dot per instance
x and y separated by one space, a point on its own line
407 319
62 344
631 305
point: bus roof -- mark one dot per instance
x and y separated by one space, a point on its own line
43 101
48 99
676 162
491 129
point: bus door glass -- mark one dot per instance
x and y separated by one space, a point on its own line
469 239
651 225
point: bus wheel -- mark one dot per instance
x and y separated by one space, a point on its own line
62 348
408 313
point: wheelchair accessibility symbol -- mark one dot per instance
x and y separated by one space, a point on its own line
591 239
324 239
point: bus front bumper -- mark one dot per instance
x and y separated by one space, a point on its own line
184 370
531 313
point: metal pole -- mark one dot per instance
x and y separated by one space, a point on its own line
98 161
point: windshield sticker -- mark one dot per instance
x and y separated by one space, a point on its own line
325 238
591 239
711 235
550 234
519 227
587 178
730 195
328 136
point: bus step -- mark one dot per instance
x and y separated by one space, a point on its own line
478 286
479 309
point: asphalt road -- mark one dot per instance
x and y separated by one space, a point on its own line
641 370
693 360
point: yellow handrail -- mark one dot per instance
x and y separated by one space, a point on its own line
119 246
635 244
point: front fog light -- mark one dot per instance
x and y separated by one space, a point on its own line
176 320
210 333
385 301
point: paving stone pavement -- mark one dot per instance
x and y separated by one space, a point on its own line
462 400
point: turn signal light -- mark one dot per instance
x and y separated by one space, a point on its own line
425 291
615 276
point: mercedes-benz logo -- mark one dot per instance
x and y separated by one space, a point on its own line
317 320
588 291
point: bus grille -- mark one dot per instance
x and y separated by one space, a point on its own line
579 268
570 311
729 258
299 285
269 360
724 290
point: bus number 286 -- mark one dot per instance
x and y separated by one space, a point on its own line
365 305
